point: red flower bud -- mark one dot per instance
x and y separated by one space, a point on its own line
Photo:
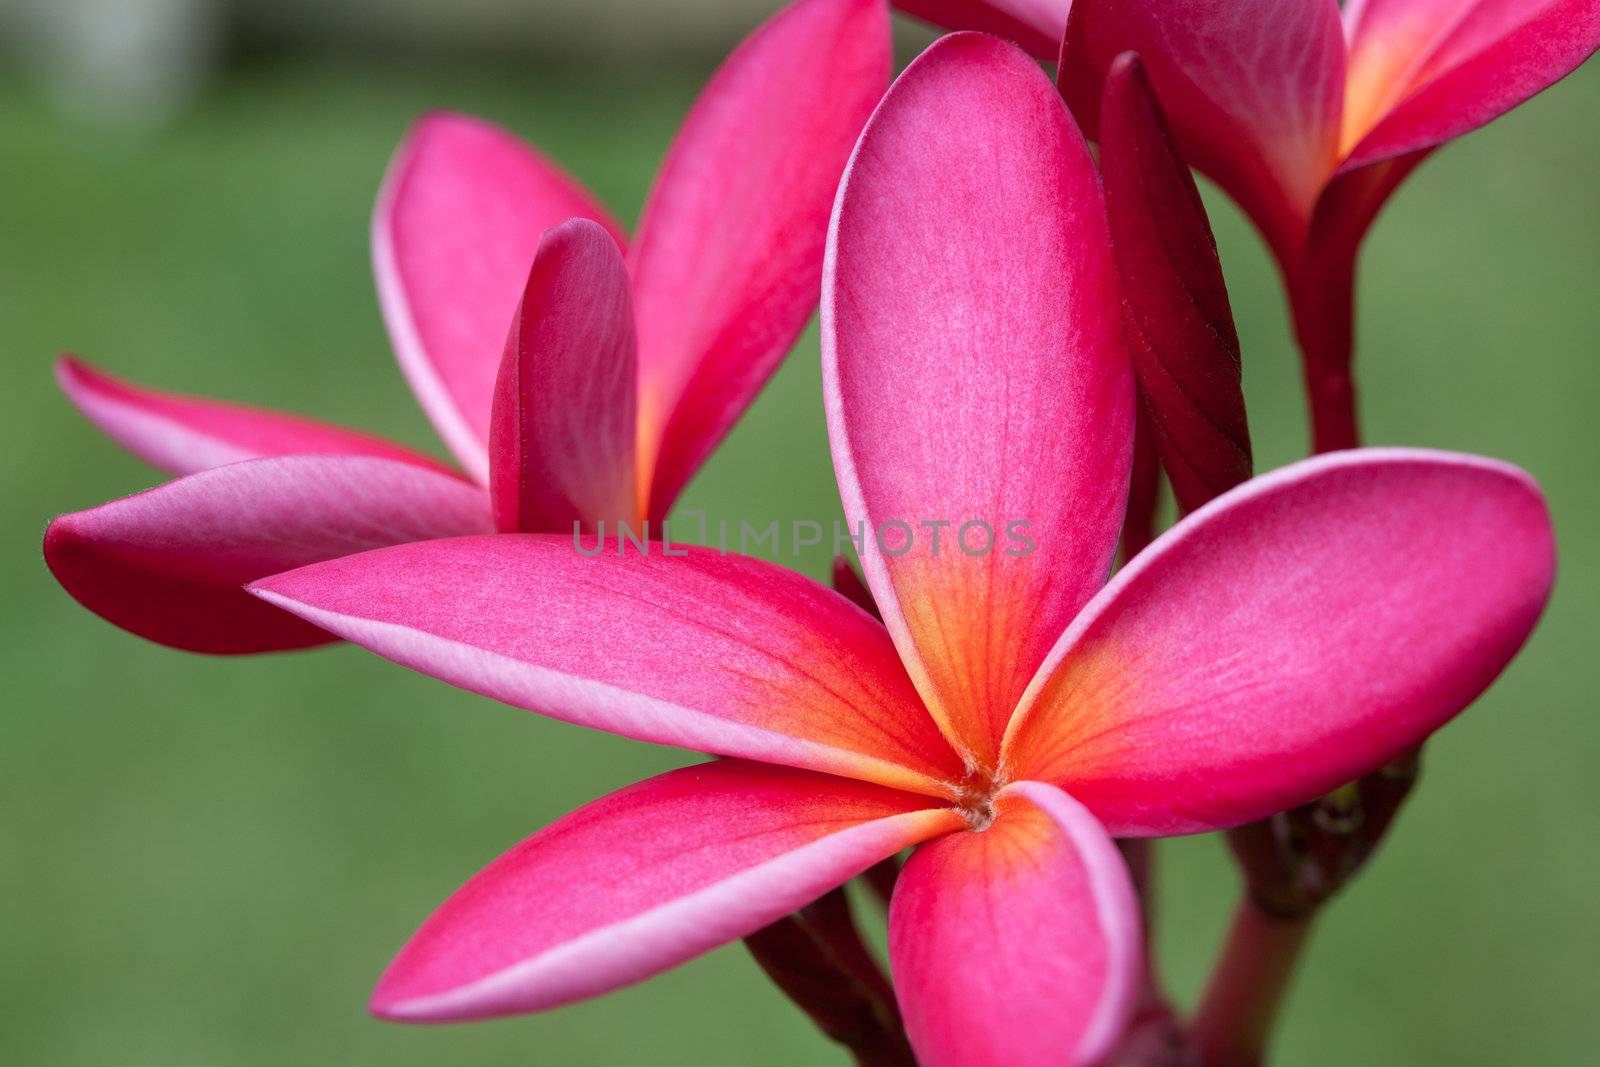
1180 326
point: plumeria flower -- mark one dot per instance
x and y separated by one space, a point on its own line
1015 711
1309 115
618 371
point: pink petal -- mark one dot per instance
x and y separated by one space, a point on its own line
1034 24
715 653
183 434
643 880
975 372
1018 945
561 445
1300 631
170 564
1425 71
1185 347
1253 89
454 231
1390 43
729 251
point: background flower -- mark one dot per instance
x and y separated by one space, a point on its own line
721 280
1309 114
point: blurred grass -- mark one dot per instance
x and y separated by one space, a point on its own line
210 861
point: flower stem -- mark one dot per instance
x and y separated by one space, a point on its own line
1321 275
1293 864
1323 300
1248 987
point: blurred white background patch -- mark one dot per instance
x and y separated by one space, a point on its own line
135 63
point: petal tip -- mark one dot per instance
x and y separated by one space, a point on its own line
974 41
268 589
59 534
402 996
419 136
1126 65
579 228
392 1005
76 377
70 366
439 120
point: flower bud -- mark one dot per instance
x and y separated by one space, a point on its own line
1181 333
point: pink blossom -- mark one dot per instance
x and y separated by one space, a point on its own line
1283 101
621 372
1015 711
1309 115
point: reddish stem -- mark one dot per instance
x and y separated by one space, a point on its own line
1321 276
1241 1003
1322 296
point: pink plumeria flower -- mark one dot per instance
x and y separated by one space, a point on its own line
1289 103
1308 115
1016 711
618 372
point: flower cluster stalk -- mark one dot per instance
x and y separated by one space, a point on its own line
1241 1004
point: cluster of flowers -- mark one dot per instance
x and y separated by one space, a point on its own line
994 305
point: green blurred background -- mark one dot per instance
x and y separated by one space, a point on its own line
209 861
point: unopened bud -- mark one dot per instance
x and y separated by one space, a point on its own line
1180 326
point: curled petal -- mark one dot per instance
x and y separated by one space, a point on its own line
1425 71
715 653
1185 347
561 444
1296 633
1390 44
182 434
170 564
979 396
729 250
1020 944
455 228
642 880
